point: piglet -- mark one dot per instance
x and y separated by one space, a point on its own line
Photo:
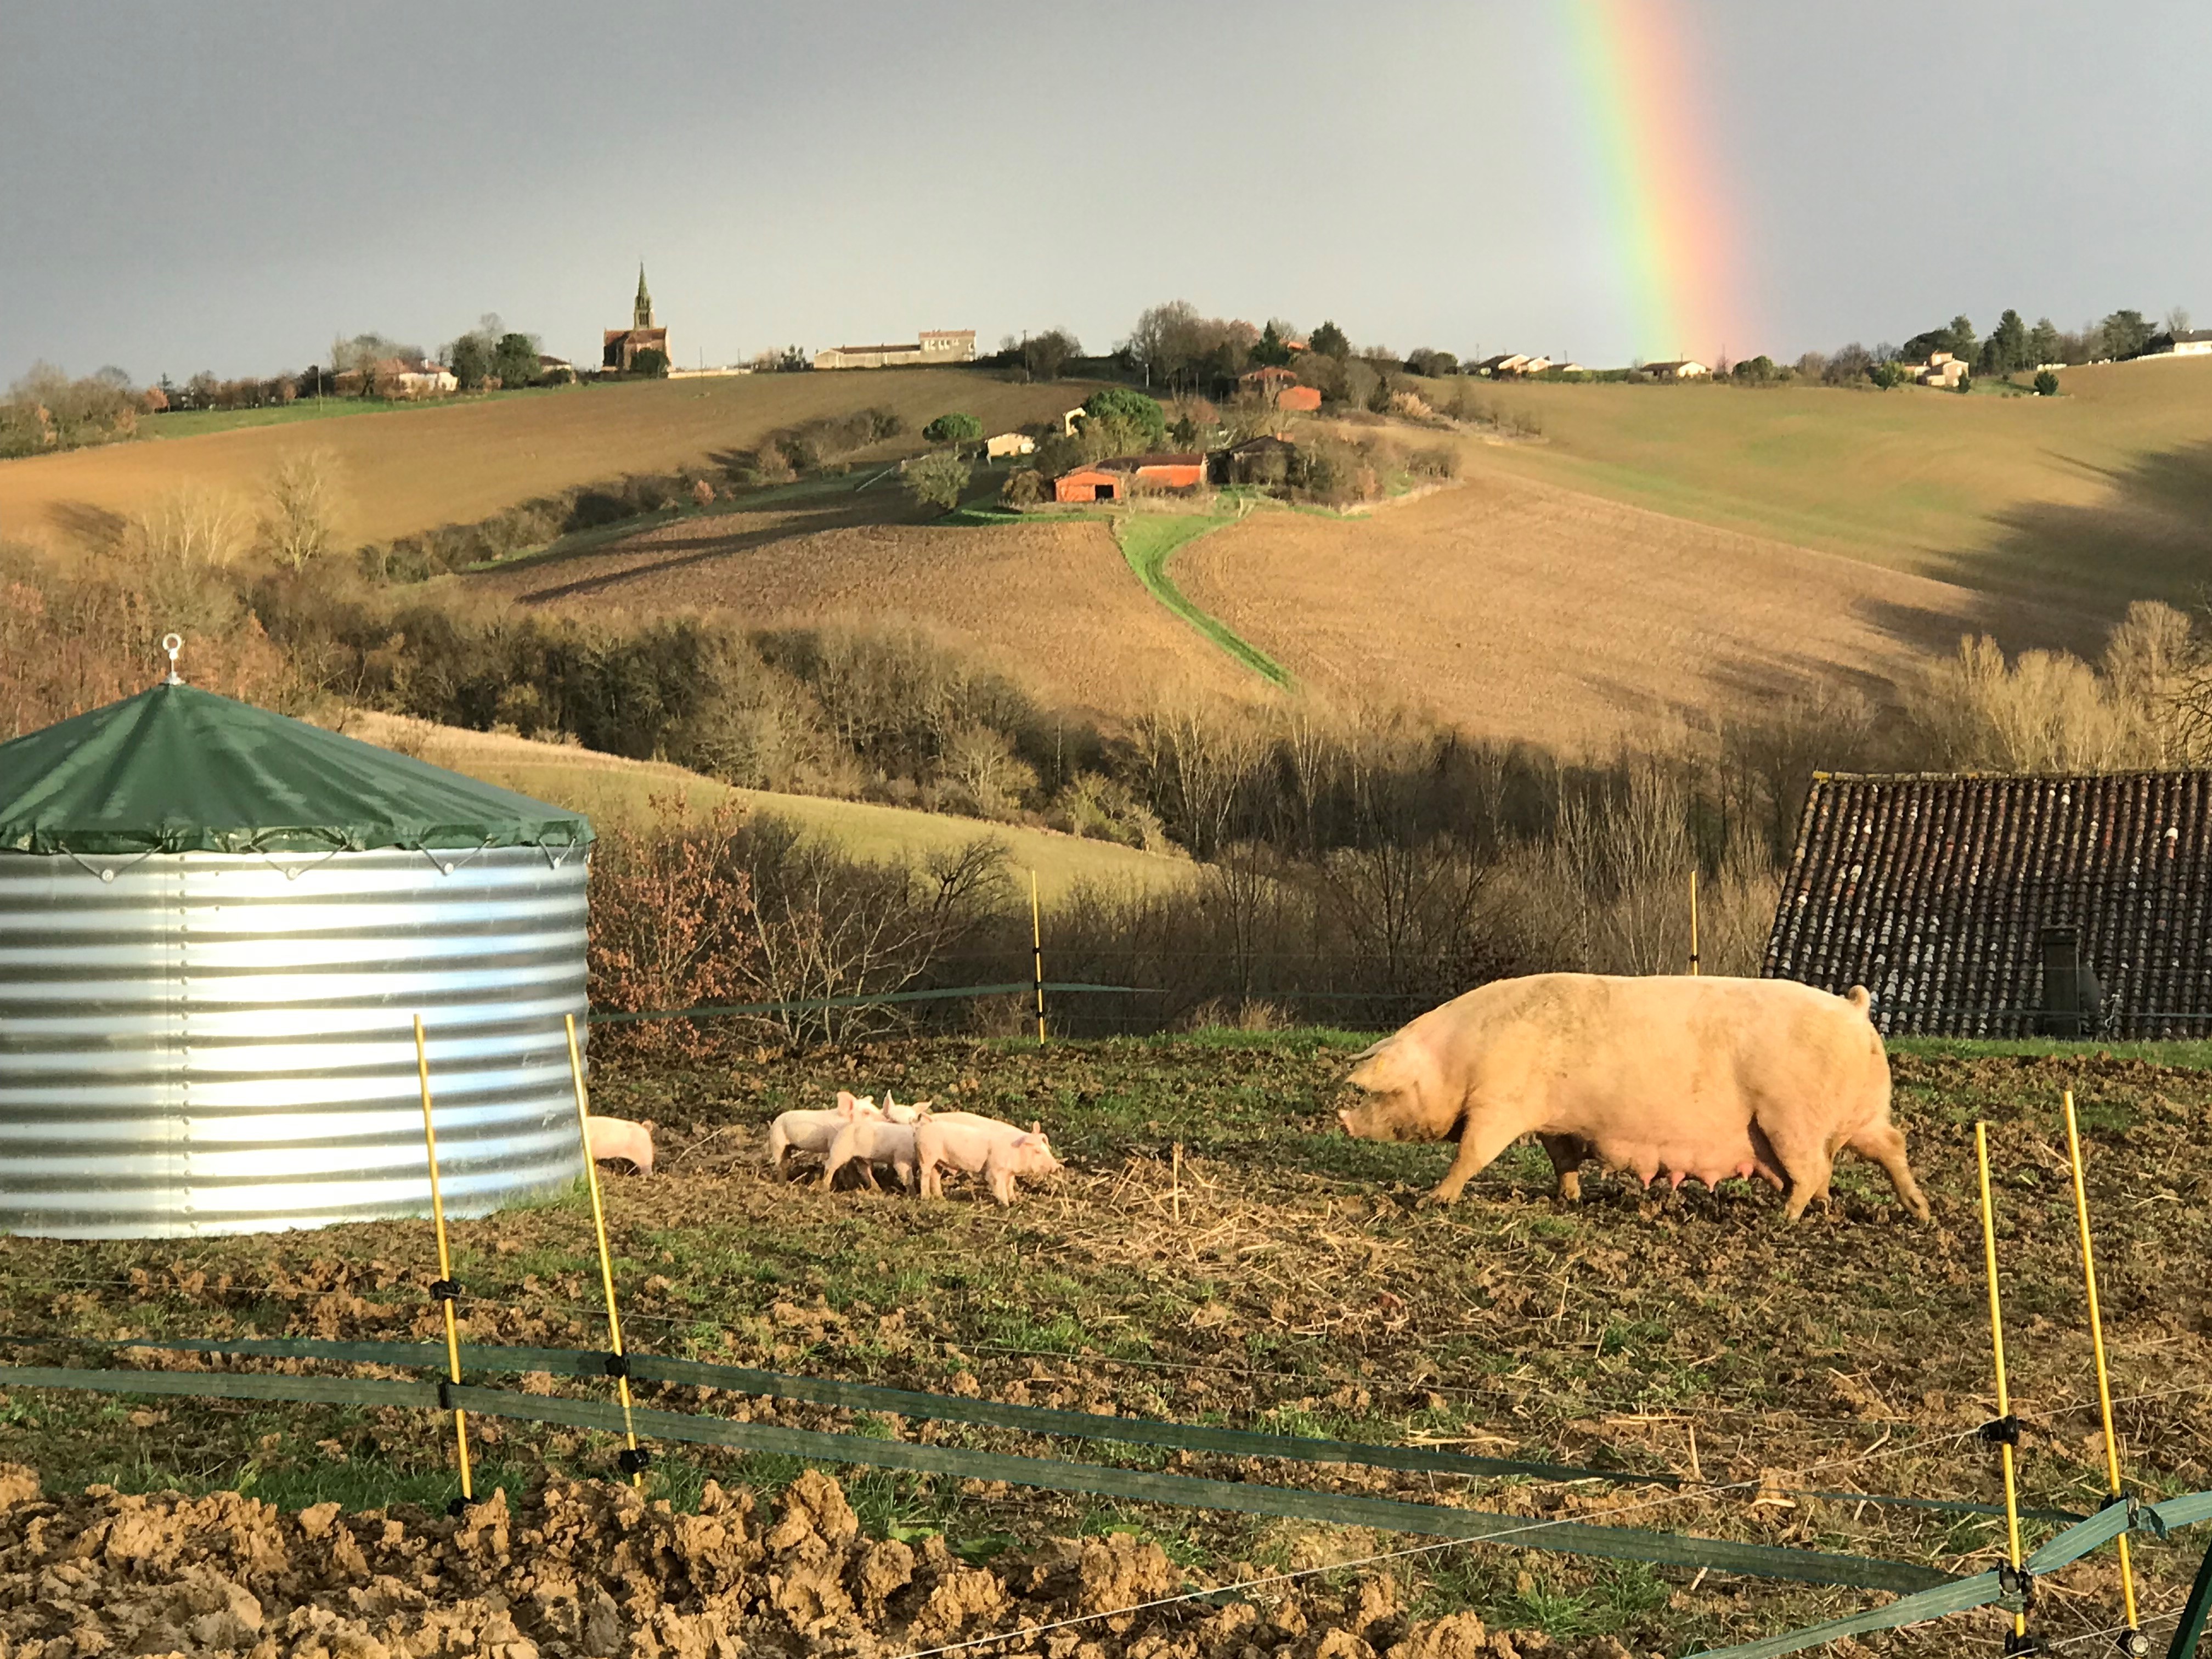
1000 1151
616 1137
814 1131
871 1140
899 1114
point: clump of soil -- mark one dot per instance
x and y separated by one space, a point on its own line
595 1571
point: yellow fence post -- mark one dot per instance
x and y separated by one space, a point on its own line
2134 1641
2007 1430
445 1289
632 1461
1693 921
1036 939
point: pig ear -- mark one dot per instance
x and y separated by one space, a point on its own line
845 1101
1037 1128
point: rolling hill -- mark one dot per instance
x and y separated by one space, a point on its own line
2105 491
414 468
612 791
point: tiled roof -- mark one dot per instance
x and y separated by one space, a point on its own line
1932 891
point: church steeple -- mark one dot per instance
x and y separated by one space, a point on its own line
643 310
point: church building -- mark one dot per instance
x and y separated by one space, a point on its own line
620 346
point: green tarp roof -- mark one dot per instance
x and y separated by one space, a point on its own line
176 769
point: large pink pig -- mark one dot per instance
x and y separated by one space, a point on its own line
1698 1079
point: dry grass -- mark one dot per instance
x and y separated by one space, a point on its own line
610 790
1051 602
412 469
1515 608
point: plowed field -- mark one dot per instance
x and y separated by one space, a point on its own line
1517 609
1051 602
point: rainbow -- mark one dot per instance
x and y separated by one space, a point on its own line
1671 247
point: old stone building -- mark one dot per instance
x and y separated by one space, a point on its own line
620 346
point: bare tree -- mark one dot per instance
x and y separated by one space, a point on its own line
297 514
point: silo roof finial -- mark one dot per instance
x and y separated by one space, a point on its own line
173 643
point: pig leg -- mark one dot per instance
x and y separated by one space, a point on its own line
1885 1144
1808 1163
1567 1153
846 1149
1480 1144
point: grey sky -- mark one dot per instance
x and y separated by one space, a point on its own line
227 184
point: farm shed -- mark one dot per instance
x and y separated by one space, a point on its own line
216 927
1181 471
1088 483
2007 905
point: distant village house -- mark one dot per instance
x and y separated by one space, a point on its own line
2181 343
398 377
1009 443
941 345
620 346
1279 387
1943 369
1682 369
1508 364
1265 460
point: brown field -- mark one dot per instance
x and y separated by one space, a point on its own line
414 469
1514 609
1052 604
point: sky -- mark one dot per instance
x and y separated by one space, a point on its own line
229 184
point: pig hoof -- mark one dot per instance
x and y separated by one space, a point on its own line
1438 1200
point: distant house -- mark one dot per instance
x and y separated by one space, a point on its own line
940 345
1279 387
555 365
2006 906
423 380
1009 443
2185 343
1265 461
1067 421
1508 364
1683 368
1942 370
398 377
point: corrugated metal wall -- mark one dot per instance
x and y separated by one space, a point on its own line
202 1043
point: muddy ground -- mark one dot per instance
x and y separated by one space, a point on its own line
1282 1281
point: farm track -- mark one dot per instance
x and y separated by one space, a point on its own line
1285 1284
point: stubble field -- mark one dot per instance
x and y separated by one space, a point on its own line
1281 1281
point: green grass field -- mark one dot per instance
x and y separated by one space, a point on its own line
2107 486
611 790
198 423
1148 541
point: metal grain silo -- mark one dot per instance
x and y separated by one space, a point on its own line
216 928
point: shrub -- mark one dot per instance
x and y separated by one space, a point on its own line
703 493
1126 406
2046 384
652 360
938 479
1024 487
296 517
953 429
1439 461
